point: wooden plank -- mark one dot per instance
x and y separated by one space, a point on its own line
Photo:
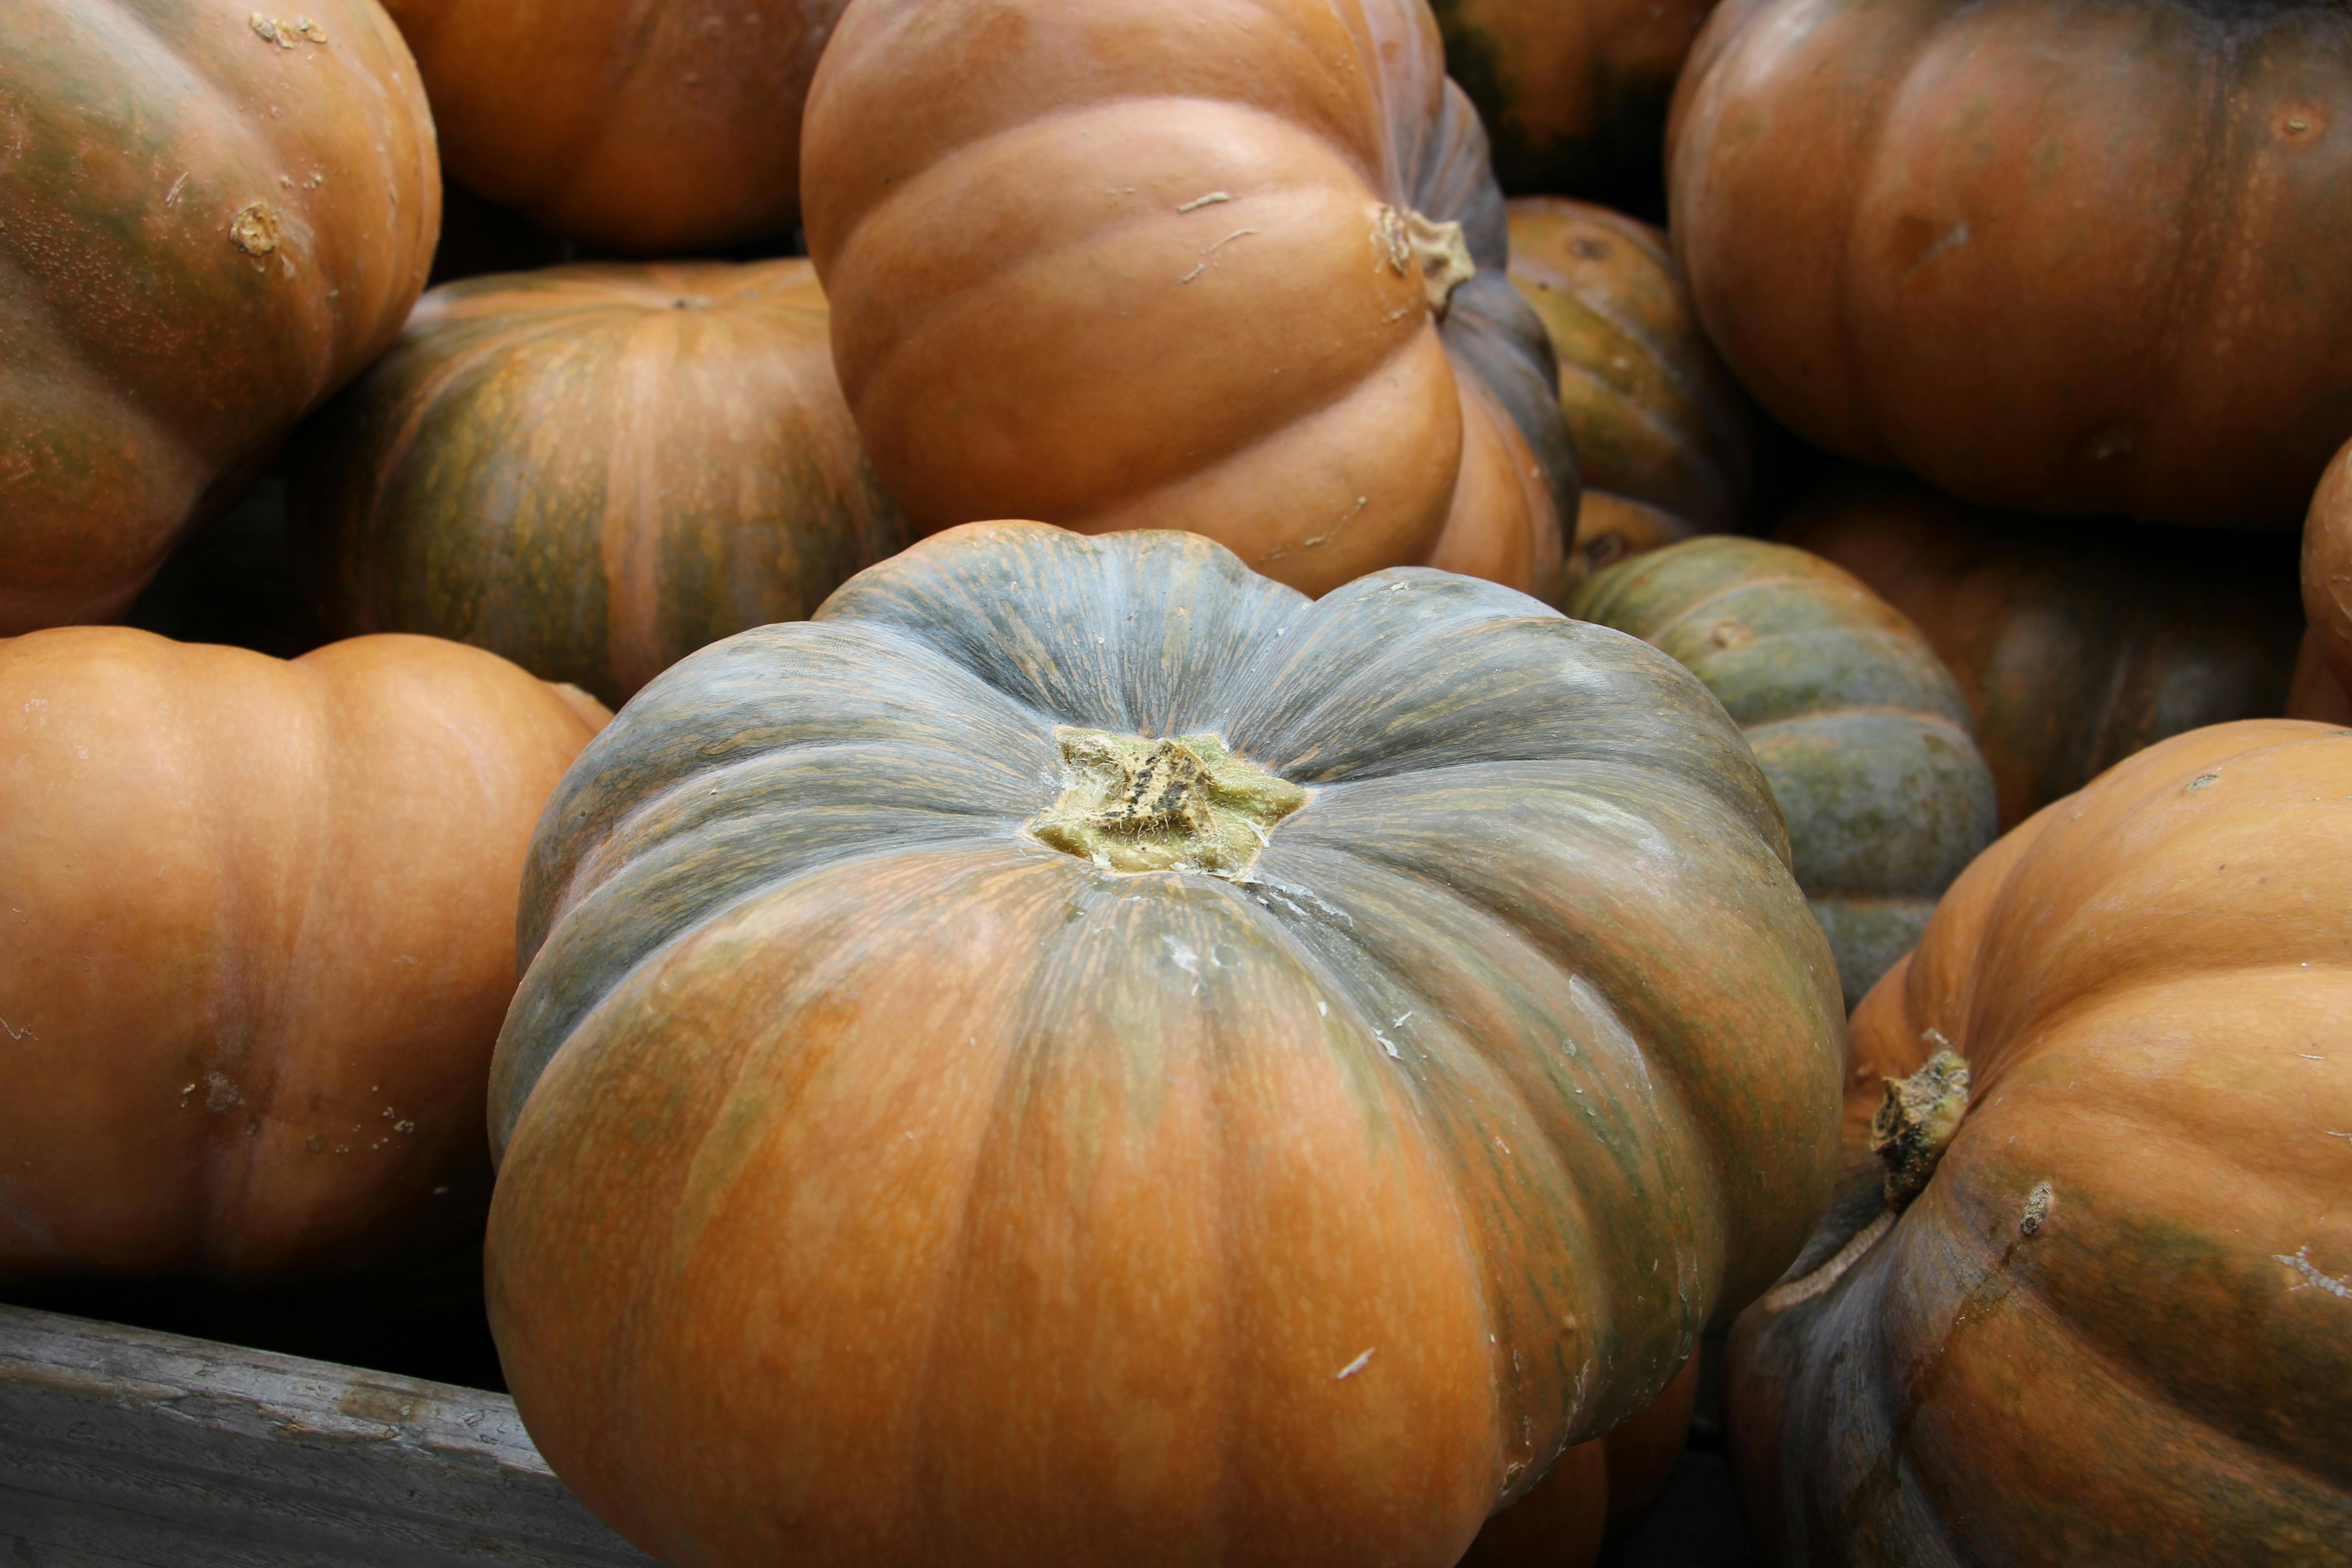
127 1449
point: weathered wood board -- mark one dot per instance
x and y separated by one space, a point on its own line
126 1449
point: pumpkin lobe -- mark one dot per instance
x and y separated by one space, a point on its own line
1131 803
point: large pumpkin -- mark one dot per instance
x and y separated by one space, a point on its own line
1236 267
1860 730
1665 435
2076 648
2110 1327
594 470
259 923
644 125
1080 1055
2067 259
211 217
1574 94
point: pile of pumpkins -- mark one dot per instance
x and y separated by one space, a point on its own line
1262 1014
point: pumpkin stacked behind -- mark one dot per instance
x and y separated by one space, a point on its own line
1862 733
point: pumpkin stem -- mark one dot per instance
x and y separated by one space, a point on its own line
1133 804
1438 251
1914 1126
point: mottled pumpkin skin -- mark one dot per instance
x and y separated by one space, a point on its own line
594 470
1862 733
2064 259
2152 981
641 125
2324 673
1159 275
1664 435
2075 647
258 924
1574 95
207 224
881 1186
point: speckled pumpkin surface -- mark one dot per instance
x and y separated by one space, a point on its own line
2077 644
594 470
210 217
2115 1326
1861 730
1664 435
883 1184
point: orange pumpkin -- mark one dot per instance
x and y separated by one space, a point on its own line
594 470
259 928
1594 1491
1078 1054
1234 267
1664 435
642 125
2323 674
211 217
2062 258
2100 1316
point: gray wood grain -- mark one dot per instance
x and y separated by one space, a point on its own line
127 1448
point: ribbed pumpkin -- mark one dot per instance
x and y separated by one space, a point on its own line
2323 676
1665 435
1080 1055
594 470
1235 267
211 217
2059 258
259 936
1574 95
2075 646
2110 1327
1860 730
643 125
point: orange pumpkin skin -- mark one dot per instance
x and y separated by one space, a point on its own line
1574 96
644 128
977 1203
2053 258
2111 1330
2075 647
1665 435
259 923
209 222
594 470
1171 271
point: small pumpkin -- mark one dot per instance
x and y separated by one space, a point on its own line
2078 646
1079 1054
1574 96
259 923
2322 673
594 470
2060 259
1235 267
644 126
1862 731
2092 1309
213 216
1664 435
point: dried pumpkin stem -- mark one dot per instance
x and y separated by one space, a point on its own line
1912 1127
1438 251
1134 803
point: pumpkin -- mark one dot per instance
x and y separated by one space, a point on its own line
260 919
1594 1492
643 126
2097 1313
2062 258
2076 648
1862 731
1235 267
594 470
1664 434
1077 1054
1574 95
2324 669
213 216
